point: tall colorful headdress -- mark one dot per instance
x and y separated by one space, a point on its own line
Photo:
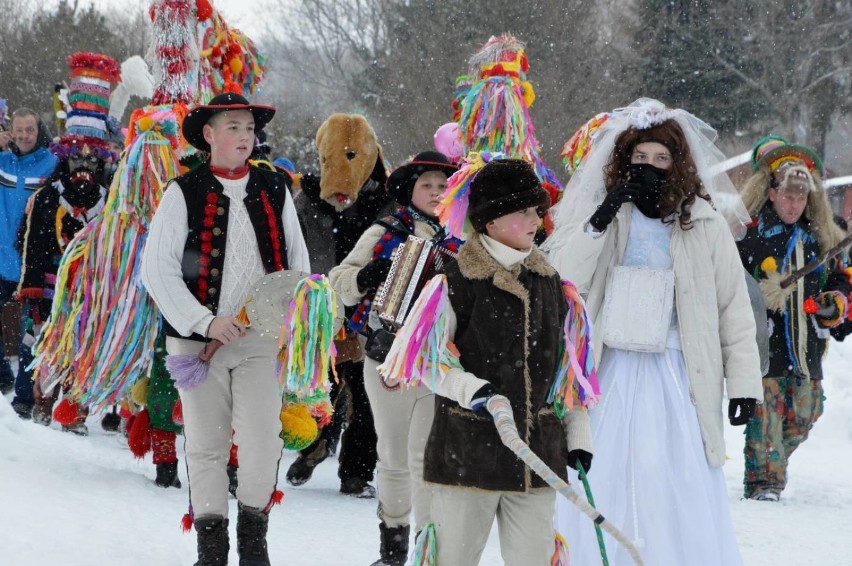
492 104
578 146
93 76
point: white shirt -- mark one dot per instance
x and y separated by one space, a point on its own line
161 261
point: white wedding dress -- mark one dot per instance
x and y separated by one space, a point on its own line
649 475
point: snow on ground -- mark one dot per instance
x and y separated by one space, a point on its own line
86 501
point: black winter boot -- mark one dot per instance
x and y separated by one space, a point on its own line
167 475
252 524
213 544
394 546
302 468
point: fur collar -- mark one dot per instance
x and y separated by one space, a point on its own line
476 263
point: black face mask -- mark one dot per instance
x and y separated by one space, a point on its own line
651 180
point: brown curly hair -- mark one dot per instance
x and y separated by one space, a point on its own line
682 183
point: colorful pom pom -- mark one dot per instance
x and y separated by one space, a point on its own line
769 265
139 435
186 522
66 412
298 427
139 391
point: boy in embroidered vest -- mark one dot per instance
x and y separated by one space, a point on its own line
506 313
402 417
219 229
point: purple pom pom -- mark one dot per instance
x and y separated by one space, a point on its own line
188 370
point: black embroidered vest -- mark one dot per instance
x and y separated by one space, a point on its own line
207 218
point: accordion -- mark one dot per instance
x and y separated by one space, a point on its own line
414 262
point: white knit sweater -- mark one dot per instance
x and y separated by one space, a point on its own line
161 262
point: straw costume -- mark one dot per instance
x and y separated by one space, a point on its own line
75 195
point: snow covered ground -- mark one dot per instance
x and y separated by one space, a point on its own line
86 501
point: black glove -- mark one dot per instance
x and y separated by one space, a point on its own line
580 457
612 203
481 397
651 180
746 407
373 274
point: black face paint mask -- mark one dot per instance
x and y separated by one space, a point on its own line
651 180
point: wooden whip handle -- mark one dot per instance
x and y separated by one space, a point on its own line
209 349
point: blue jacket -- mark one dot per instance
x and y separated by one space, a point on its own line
20 177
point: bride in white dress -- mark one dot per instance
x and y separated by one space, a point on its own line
673 328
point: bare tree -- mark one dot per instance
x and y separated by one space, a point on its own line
784 66
35 57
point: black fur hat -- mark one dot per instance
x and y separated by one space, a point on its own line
502 187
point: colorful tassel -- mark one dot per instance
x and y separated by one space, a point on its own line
188 370
276 498
228 60
576 149
307 339
425 549
452 210
186 522
100 335
139 435
242 316
577 374
66 412
174 43
560 552
492 105
422 347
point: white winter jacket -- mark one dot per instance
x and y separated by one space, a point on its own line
714 315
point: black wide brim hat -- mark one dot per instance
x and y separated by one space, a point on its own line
401 182
193 124
502 187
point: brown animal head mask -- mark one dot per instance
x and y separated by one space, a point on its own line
349 157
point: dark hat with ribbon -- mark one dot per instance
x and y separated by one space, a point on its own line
401 182
193 124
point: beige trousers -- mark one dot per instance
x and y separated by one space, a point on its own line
240 394
463 519
403 419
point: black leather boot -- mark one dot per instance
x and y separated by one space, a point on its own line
252 524
394 545
213 544
167 475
